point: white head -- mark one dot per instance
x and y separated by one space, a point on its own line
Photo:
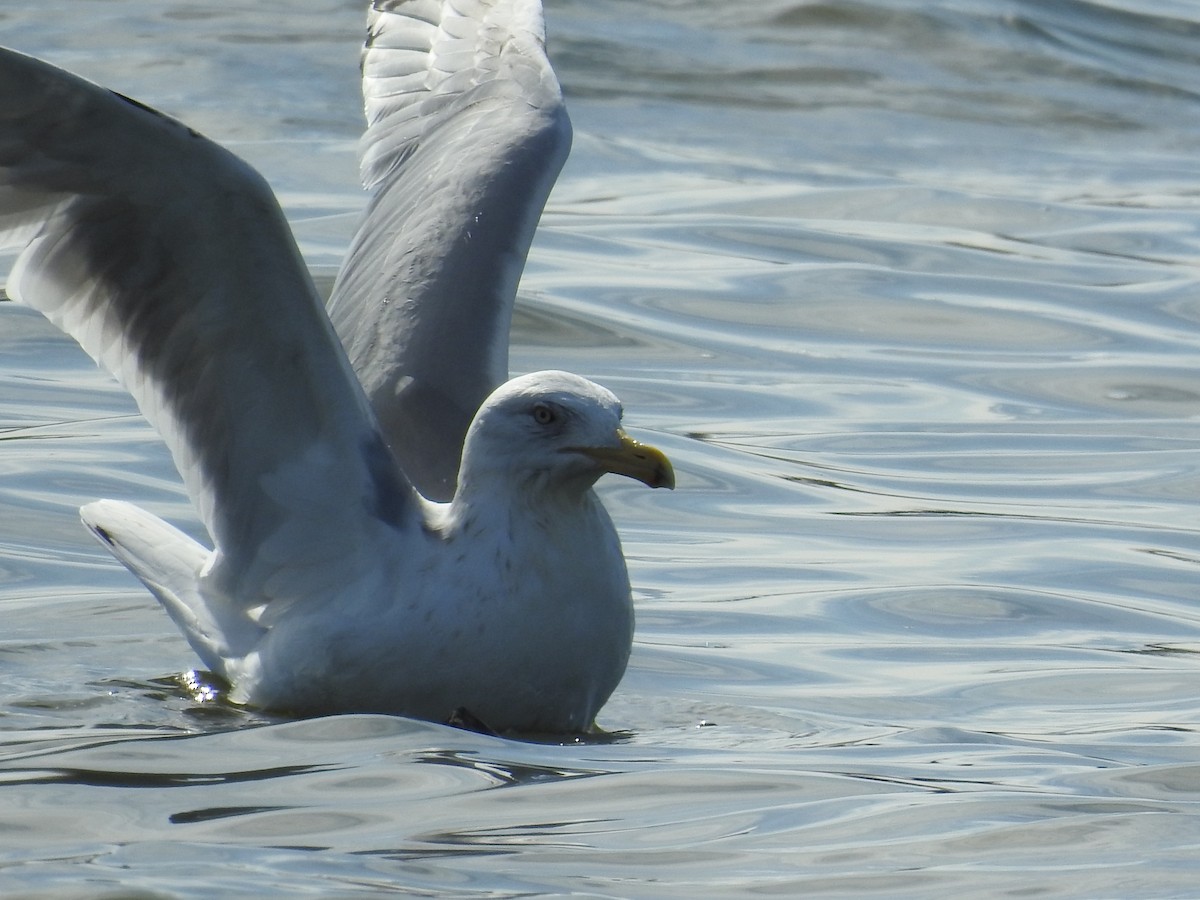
554 431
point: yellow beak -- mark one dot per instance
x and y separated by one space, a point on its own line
647 464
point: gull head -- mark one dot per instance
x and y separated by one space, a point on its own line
554 431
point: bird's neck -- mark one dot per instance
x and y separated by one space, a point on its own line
501 503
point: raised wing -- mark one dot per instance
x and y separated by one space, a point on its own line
467 133
170 262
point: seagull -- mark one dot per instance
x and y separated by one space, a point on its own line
396 528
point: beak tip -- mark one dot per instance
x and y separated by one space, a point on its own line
657 471
664 477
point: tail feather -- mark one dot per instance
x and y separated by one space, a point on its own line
171 564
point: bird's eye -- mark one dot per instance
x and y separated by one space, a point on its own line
544 414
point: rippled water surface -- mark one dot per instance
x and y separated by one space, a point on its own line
908 290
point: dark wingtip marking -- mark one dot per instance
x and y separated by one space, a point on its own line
466 720
137 104
389 500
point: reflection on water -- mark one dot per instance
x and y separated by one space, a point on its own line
908 292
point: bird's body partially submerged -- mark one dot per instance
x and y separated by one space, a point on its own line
511 601
335 585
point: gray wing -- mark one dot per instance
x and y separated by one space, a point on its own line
466 134
170 262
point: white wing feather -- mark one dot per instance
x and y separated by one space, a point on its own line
170 262
467 133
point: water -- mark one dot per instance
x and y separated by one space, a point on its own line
908 290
